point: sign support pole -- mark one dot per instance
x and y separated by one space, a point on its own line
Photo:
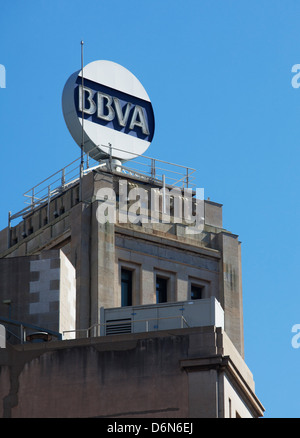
82 128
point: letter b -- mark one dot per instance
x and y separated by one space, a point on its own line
81 100
108 105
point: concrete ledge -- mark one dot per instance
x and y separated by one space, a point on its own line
168 240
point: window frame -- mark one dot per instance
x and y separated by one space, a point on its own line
136 270
200 288
130 282
200 283
171 277
166 280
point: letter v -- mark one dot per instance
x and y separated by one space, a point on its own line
122 119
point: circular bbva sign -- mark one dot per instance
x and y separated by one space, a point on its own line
107 109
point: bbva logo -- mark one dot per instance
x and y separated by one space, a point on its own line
107 107
2 76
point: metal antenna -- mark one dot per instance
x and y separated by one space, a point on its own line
82 121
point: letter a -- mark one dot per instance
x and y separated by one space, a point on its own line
138 112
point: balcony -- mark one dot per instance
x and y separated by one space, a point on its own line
163 316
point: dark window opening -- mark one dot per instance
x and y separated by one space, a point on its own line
161 290
126 287
196 292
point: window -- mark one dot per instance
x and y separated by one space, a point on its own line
196 292
161 290
126 287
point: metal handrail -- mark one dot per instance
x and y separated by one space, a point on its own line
24 325
104 324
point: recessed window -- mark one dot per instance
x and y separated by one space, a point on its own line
196 292
126 287
161 290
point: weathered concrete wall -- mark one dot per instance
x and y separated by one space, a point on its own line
79 255
41 290
102 255
148 255
15 277
67 297
231 288
213 214
156 375
130 378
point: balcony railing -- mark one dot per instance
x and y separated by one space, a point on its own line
163 316
123 327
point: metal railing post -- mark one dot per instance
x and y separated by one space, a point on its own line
22 333
110 157
9 230
80 180
32 199
164 195
48 204
63 179
152 168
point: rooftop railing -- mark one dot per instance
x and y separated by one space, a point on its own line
140 167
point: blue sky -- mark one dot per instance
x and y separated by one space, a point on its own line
219 77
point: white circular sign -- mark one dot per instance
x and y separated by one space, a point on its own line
108 109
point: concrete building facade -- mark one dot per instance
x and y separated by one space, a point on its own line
60 265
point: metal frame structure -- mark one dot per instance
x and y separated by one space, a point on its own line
141 167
